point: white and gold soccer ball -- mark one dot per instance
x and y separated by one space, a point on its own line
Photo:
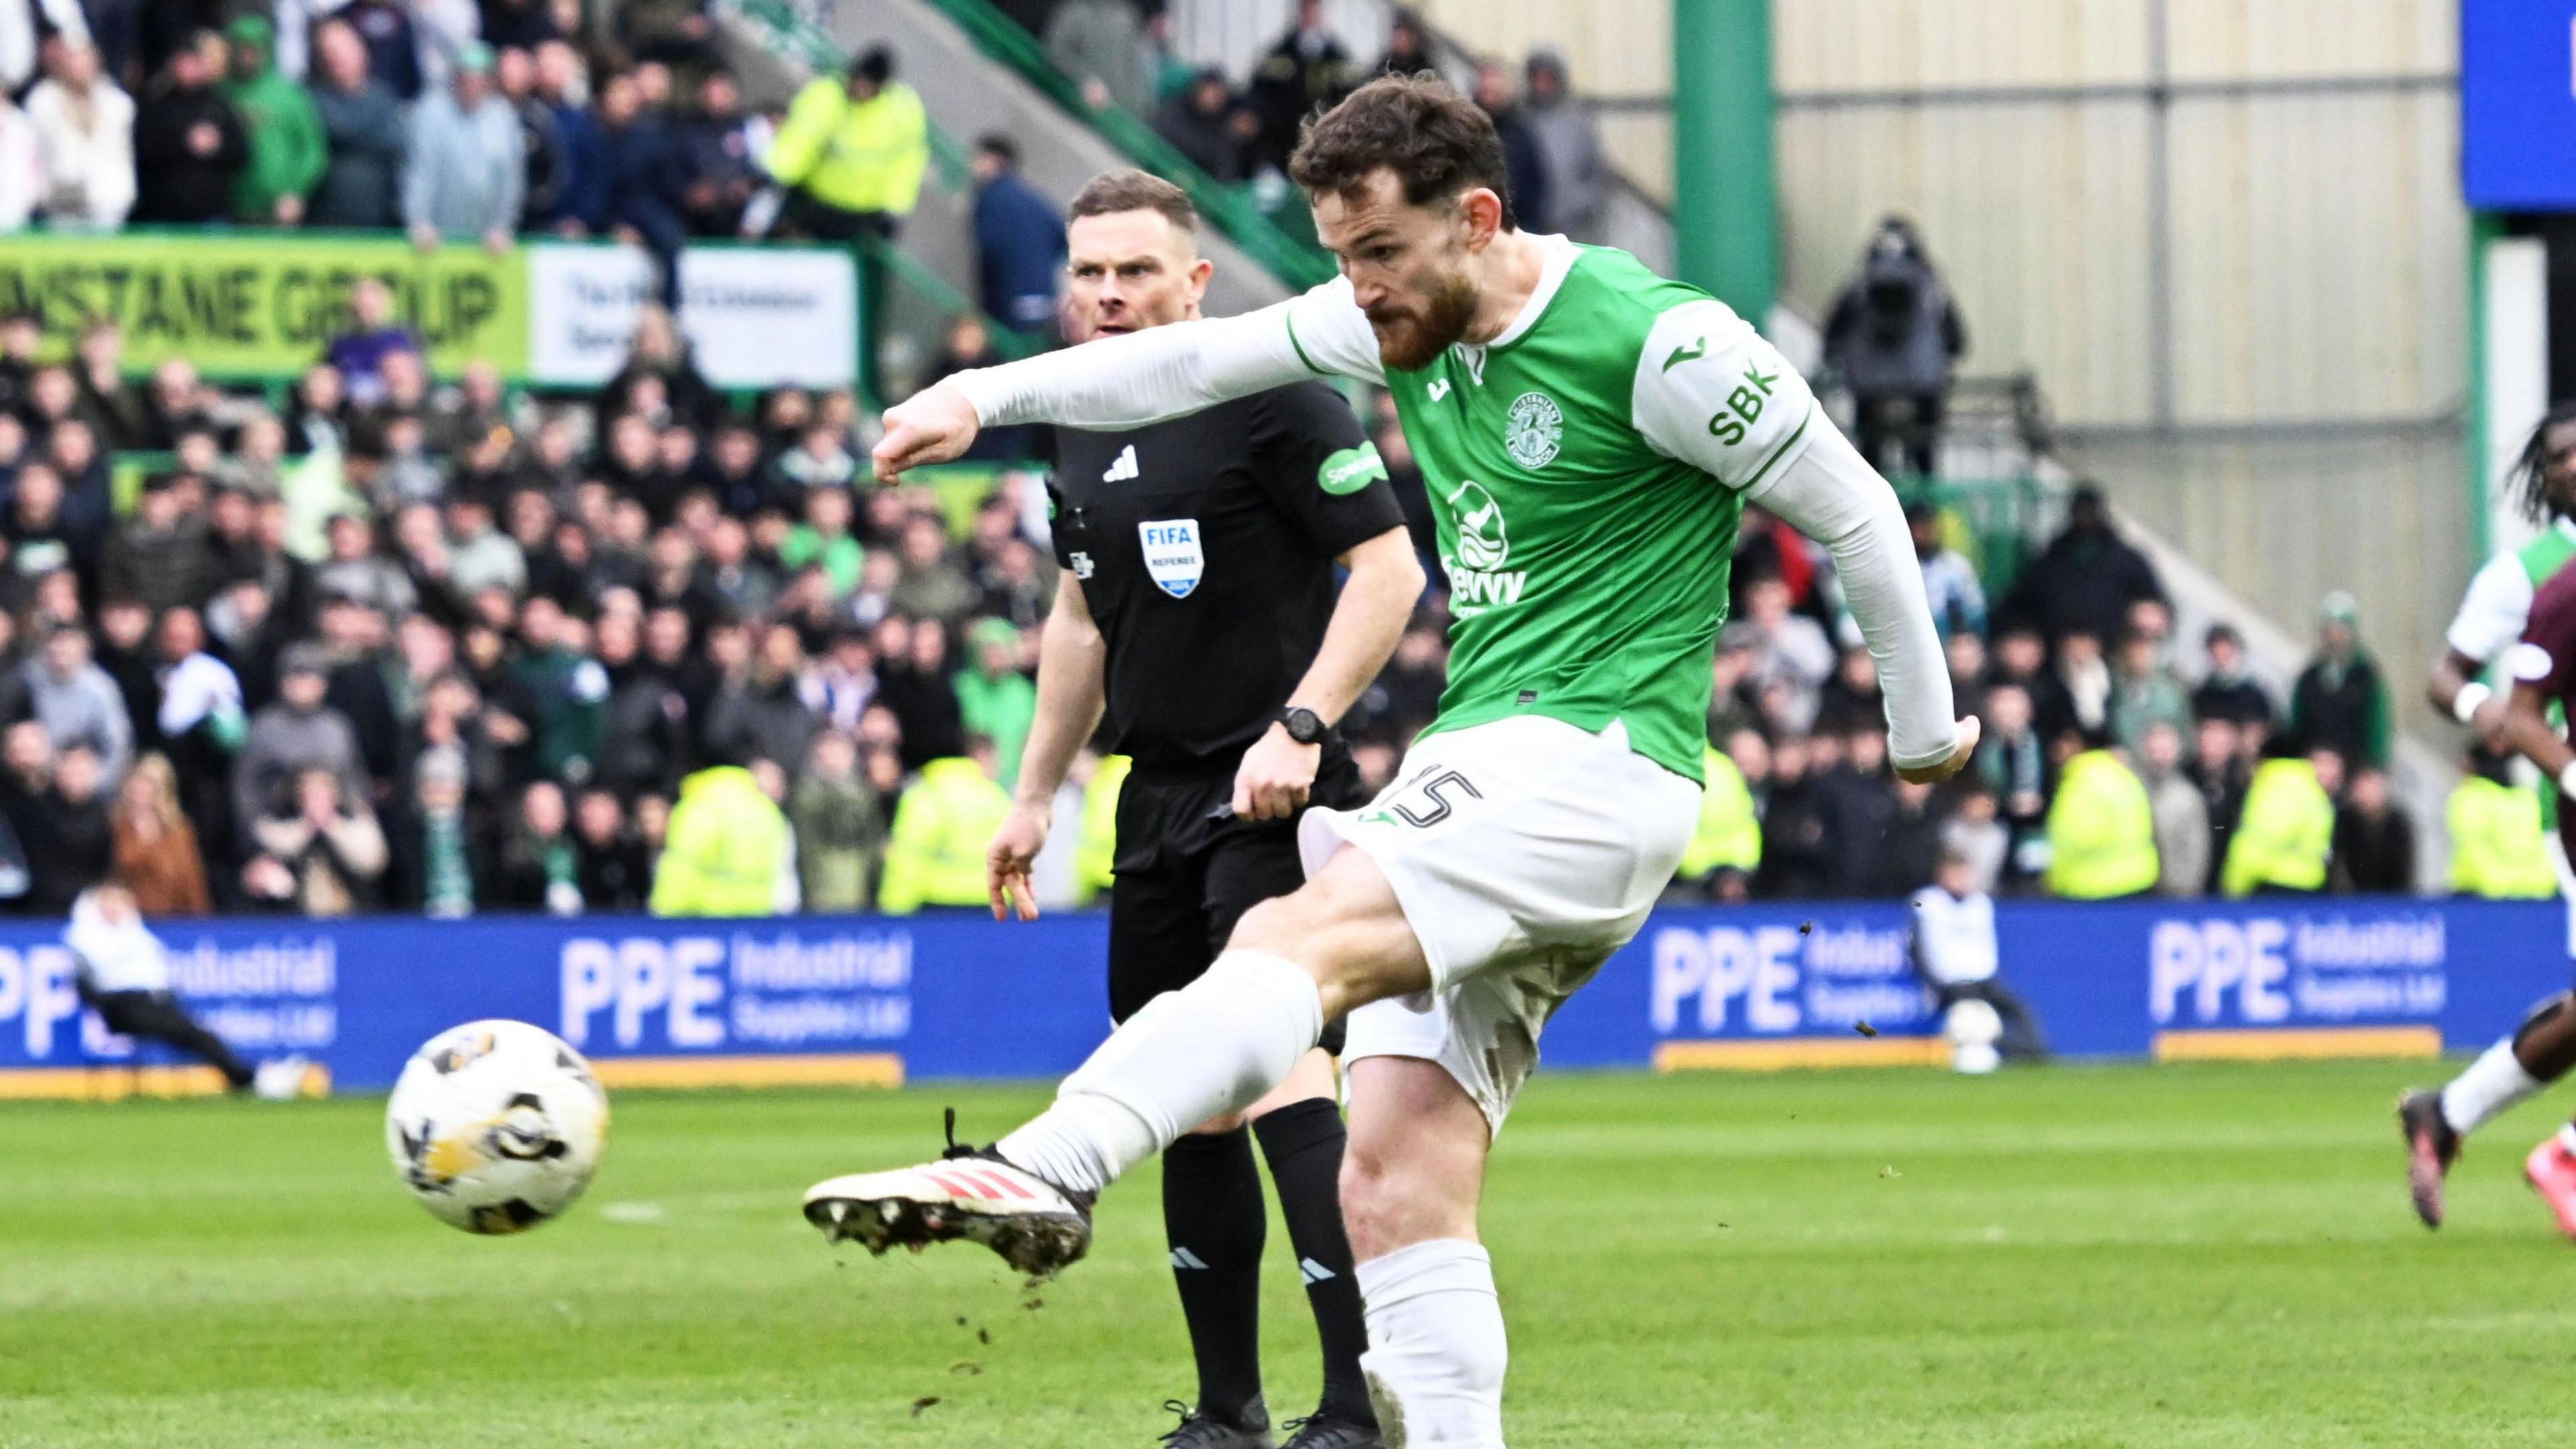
496 1126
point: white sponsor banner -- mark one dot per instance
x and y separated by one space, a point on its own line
755 317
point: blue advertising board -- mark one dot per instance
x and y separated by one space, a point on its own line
2518 104
877 1000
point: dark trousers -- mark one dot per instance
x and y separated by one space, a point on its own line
2021 1039
158 1016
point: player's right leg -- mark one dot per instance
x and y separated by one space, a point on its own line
2539 1052
1190 1056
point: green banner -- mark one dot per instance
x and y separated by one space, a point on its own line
249 305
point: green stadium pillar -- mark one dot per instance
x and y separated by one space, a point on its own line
1726 207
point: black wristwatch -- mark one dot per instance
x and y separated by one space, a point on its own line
1304 725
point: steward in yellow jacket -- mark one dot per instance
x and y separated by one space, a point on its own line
2101 830
2497 848
852 150
935 853
2284 838
727 851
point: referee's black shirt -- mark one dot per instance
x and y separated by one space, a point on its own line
1205 549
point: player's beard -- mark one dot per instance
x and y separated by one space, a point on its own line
1408 340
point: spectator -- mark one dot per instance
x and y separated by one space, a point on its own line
1859 804
1726 845
677 33
85 134
1408 45
538 867
393 47
718 176
321 854
295 733
2374 838
1949 580
155 848
1101 46
2181 813
932 586
1790 651
188 143
823 540
642 196
2229 691
1569 144
1976 834
2340 702
1019 241
77 703
994 699
2087 576
1529 205
463 174
74 848
200 723
1894 335
852 152
363 133
2101 828
1797 840
287 153
159 554
1308 70
2499 849
565 693
659 354
436 867
840 828
2284 838
2145 692
2084 680
107 402
934 854
616 870
726 851
1201 123
758 714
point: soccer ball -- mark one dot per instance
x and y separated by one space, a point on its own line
1973 1027
496 1126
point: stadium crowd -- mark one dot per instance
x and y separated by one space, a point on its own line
390 641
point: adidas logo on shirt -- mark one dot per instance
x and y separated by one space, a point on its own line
1183 1257
1123 468
1313 1272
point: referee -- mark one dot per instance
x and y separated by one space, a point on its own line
1197 611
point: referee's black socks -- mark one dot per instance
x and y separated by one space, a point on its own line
1303 1143
1215 1219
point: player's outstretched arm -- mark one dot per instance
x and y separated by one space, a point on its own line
1128 382
1832 495
1710 392
2527 730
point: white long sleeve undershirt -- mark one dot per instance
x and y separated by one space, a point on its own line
1796 463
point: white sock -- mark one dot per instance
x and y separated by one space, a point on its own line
2492 1083
1213 1047
1436 1349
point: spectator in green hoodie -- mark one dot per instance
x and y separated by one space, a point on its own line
287 152
993 697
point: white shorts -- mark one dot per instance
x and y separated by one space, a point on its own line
1523 852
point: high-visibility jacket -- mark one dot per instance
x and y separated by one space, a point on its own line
2101 830
942 828
725 851
854 155
2497 847
1729 833
1096 849
2285 835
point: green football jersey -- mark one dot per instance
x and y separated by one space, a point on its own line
1587 470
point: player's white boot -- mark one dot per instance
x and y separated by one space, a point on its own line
969 1193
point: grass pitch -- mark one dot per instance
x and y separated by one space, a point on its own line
2191 1256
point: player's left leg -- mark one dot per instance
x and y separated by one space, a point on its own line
1410 1187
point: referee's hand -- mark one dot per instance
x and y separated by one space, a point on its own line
1275 776
933 426
1006 864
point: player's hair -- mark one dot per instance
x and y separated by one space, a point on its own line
1438 143
2530 472
1133 190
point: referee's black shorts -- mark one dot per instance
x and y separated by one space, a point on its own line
1187 870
